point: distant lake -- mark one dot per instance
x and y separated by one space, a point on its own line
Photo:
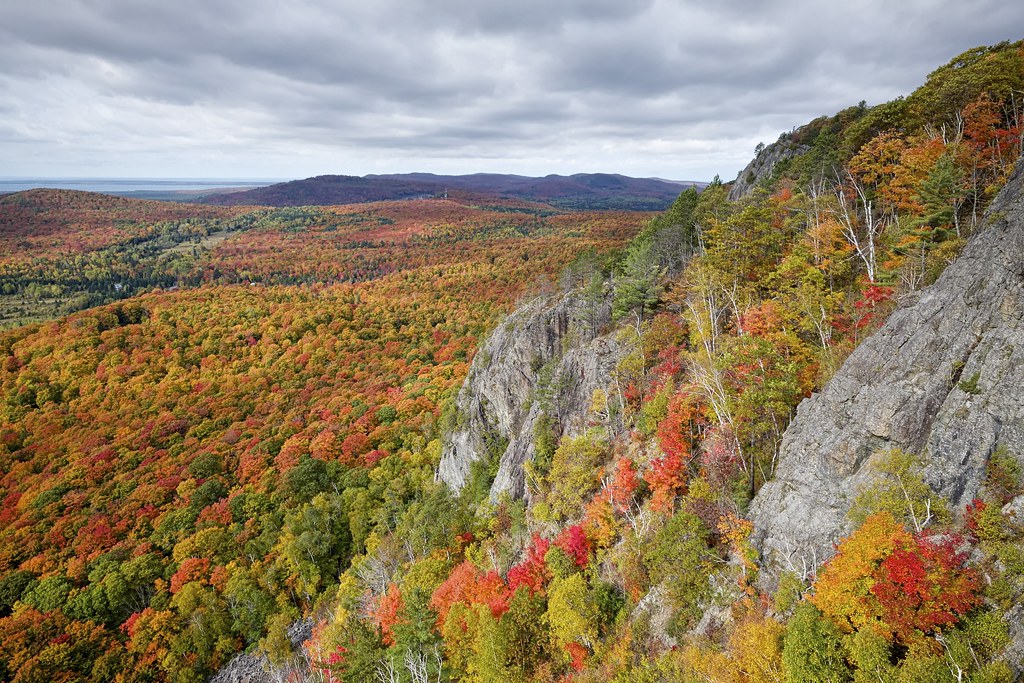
129 185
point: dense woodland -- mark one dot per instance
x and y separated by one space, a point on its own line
188 474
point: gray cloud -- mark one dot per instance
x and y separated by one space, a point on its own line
266 88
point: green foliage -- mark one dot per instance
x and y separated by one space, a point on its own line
276 645
994 672
789 592
560 564
940 195
747 244
925 669
654 411
12 587
573 613
672 235
610 603
251 606
1004 477
979 639
900 491
573 474
678 557
48 594
637 289
812 649
545 442
887 116
523 641
998 70
481 476
871 655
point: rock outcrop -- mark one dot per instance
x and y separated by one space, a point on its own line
256 667
762 165
245 668
942 378
545 359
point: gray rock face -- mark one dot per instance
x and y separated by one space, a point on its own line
942 378
544 359
245 668
255 667
761 166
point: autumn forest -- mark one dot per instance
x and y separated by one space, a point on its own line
220 428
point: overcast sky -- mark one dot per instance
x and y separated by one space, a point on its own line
293 88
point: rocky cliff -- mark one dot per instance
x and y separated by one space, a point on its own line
762 165
546 359
942 378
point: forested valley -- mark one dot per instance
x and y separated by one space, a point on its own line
233 446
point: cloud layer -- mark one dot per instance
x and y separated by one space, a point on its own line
265 88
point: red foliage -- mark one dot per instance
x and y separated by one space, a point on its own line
9 508
374 456
669 364
871 298
353 446
719 459
675 430
128 626
468 585
900 584
219 578
574 543
972 515
216 514
532 572
577 655
925 587
763 320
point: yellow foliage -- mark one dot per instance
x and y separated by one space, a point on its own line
755 647
843 588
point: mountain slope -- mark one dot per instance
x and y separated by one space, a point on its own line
941 379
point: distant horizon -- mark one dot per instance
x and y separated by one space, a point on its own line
198 179
280 179
212 181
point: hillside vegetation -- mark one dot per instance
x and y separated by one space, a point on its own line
228 412
190 474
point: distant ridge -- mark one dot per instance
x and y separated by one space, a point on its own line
586 191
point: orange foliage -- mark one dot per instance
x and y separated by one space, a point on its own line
885 578
467 585
388 613
190 569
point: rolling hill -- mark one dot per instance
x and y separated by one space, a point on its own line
582 191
